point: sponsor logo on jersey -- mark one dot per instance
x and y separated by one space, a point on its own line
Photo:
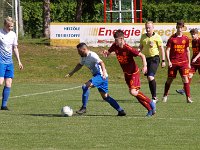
175 41
183 41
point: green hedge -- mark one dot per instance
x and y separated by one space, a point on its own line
171 12
32 19
33 16
64 11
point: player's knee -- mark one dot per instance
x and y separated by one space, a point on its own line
104 96
8 82
87 85
85 90
84 87
133 92
190 75
150 78
185 79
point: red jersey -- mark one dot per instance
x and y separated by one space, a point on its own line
125 57
196 50
178 48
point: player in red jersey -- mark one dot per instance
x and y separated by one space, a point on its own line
125 54
195 61
178 57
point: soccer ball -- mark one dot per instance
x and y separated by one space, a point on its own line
66 111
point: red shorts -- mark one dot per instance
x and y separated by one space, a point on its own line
182 68
194 68
133 80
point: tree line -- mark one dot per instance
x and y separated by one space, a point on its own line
37 14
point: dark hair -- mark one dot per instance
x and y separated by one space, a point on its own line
118 33
194 31
80 45
180 23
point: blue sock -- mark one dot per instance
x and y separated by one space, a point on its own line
85 95
113 103
5 96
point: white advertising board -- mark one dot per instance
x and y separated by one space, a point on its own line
100 34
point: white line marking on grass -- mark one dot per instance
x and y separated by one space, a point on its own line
47 92
184 119
129 117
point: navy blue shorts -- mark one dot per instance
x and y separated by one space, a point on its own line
152 65
7 70
100 83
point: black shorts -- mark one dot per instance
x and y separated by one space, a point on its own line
152 65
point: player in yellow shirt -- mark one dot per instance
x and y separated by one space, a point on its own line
152 43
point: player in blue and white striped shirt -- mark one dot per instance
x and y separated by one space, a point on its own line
8 44
100 78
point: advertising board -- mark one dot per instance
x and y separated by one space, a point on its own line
101 34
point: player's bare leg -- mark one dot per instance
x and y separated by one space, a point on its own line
167 86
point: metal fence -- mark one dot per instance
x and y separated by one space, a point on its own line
7 8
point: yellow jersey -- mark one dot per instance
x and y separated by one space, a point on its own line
151 44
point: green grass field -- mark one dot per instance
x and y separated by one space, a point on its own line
40 91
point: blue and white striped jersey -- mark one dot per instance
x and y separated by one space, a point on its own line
7 41
92 62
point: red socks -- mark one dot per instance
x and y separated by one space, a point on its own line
187 89
145 101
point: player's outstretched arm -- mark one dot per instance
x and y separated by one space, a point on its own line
168 58
77 68
142 56
103 69
106 53
140 48
195 58
16 51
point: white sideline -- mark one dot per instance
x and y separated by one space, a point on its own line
129 117
133 117
47 92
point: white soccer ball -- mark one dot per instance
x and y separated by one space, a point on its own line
67 111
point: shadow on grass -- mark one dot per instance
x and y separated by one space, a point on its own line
126 101
99 115
119 100
45 115
114 115
74 115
